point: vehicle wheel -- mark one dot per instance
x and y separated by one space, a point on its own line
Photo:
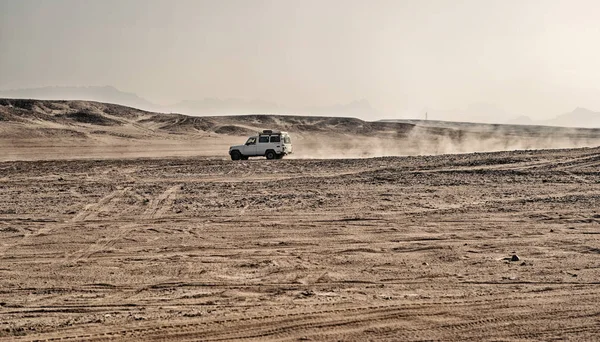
235 155
270 155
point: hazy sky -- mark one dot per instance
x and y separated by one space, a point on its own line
539 57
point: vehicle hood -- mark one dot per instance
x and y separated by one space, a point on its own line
236 146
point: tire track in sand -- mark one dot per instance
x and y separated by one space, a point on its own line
157 208
409 321
93 209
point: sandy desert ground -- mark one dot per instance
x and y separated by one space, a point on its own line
110 246
402 248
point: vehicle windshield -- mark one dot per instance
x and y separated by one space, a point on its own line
251 141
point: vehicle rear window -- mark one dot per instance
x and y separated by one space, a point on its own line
275 138
263 139
287 139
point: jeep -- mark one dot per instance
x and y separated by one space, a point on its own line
270 143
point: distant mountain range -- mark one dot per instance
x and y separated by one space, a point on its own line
481 112
580 117
487 113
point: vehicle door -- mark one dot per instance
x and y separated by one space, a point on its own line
250 147
276 143
263 145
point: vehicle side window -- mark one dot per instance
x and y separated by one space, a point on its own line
264 139
251 141
275 138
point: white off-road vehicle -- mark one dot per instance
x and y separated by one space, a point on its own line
270 143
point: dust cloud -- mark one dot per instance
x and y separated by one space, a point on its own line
436 141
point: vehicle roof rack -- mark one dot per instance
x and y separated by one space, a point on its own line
270 131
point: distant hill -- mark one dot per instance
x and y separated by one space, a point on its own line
87 126
202 107
478 113
211 106
106 94
87 116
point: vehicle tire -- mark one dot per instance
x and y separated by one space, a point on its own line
270 155
236 155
